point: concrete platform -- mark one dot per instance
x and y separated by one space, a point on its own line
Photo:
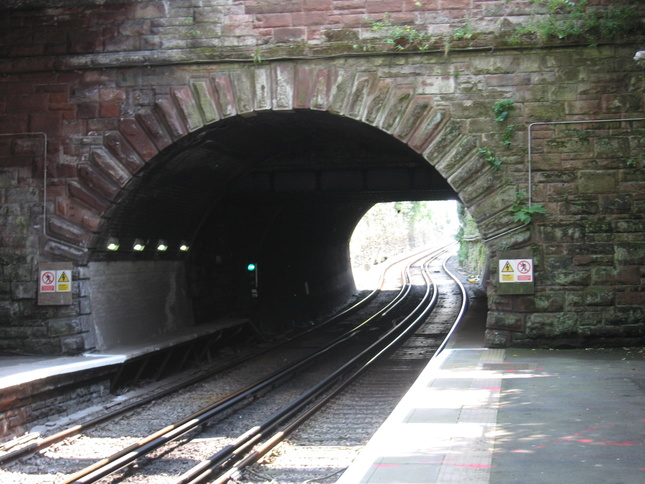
17 370
37 389
515 416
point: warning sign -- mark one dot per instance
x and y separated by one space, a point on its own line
47 279
507 267
63 281
55 284
516 270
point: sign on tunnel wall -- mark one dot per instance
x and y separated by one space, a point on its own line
515 274
55 284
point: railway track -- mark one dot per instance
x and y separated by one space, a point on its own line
172 447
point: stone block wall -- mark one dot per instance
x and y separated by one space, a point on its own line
588 248
110 84
71 34
25 406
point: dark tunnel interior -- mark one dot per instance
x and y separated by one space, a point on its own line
282 190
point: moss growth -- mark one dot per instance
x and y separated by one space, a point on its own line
565 20
472 254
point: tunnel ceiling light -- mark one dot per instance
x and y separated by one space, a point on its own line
112 244
139 245
184 247
162 246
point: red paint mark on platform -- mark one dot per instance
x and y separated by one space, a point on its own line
575 438
474 466
627 443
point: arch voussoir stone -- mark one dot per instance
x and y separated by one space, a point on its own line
138 138
155 128
428 129
223 89
395 108
110 166
283 78
205 100
117 145
360 92
418 109
183 96
168 110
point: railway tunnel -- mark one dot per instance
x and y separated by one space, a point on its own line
280 190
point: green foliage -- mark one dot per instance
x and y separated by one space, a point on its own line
472 251
402 37
567 20
502 109
489 156
508 134
464 32
637 162
392 228
257 57
523 212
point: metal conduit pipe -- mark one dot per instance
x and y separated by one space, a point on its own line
44 155
530 156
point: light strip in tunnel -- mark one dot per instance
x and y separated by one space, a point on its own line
112 244
139 245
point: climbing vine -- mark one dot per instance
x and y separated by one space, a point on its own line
502 110
522 210
490 157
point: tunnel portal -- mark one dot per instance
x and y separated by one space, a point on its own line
282 190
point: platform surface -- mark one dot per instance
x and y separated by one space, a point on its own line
21 369
515 416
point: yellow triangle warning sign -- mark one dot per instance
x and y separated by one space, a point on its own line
63 277
507 267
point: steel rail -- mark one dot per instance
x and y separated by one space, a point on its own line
396 335
59 436
462 310
137 450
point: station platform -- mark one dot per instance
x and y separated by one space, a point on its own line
526 416
44 390
20 369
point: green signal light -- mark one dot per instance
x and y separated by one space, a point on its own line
251 267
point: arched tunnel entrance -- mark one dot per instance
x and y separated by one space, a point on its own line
281 190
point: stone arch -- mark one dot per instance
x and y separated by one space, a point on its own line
389 104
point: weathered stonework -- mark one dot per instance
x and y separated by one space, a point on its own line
115 86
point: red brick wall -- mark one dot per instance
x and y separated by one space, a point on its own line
157 25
